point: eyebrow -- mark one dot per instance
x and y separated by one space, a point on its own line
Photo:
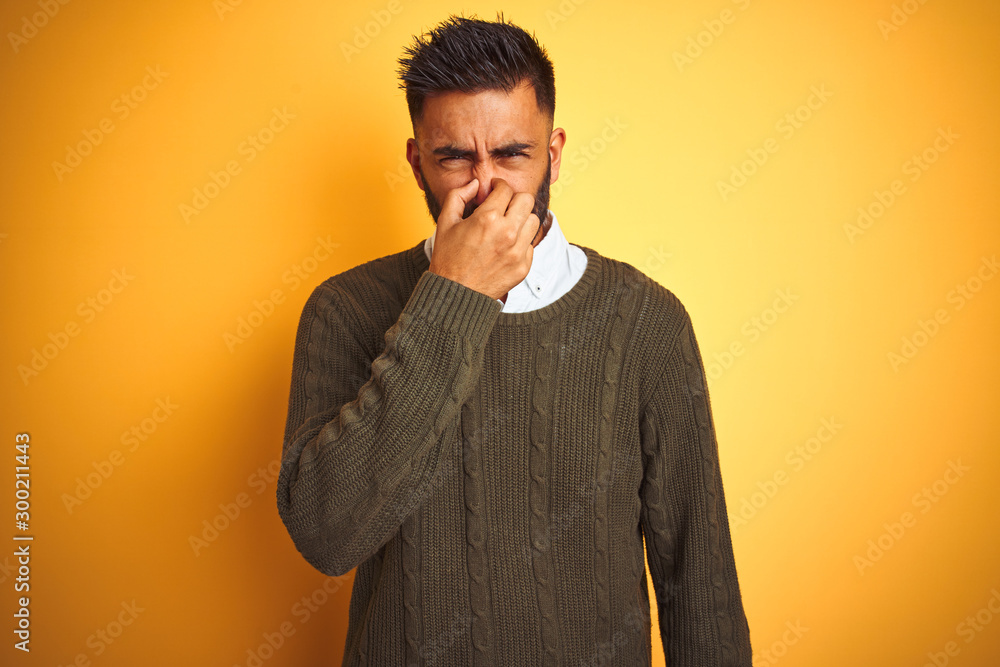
451 150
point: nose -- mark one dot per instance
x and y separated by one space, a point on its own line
485 174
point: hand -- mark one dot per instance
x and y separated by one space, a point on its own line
490 251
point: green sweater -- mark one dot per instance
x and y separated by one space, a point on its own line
492 475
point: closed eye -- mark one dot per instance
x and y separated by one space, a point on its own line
505 155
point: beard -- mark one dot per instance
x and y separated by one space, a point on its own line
541 208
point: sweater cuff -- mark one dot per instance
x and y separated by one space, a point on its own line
453 306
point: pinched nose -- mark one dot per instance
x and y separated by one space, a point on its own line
485 175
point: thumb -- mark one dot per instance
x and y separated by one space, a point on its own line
454 203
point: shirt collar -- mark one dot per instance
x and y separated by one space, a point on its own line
543 260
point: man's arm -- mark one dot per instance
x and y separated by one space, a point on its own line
356 461
684 519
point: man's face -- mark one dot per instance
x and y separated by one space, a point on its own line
485 135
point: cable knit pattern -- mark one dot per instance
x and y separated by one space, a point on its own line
410 535
492 475
475 529
542 396
714 633
613 360
366 631
694 374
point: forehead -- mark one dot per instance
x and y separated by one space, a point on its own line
482 119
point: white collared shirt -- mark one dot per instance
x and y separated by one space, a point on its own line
556 265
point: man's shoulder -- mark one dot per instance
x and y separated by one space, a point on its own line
385 268
661 303
382 284
660 322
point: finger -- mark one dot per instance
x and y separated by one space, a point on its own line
526 234
529 252
499 197
455 201
521 205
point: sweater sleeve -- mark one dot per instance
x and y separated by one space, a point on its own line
356 457
684 518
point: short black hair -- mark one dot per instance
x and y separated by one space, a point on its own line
471 55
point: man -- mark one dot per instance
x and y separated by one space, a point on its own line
489 424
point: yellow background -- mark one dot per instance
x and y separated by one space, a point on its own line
648 194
